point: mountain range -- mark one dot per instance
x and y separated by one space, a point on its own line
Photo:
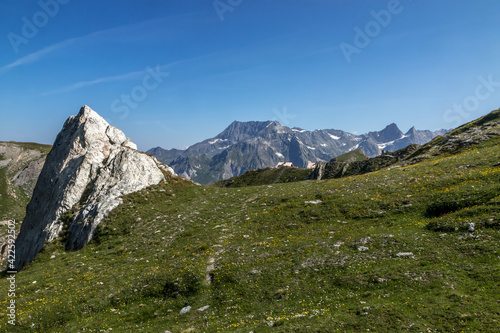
244 146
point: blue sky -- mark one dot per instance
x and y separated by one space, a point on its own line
174 72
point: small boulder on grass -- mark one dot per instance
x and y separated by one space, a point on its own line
185 310
313 202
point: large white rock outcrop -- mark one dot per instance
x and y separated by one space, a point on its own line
90 167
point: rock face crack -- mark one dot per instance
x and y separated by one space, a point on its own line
90 167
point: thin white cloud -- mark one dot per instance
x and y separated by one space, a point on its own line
38 54
318 52
124 30
50 49
105 79
127 76
82 84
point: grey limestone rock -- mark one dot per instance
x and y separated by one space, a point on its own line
90 167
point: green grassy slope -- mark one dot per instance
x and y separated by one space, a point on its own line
13 200
269 176
266 176
463 137
352 156
385 251
358 164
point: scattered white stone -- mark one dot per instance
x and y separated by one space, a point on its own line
185 310
404 254
362 248
203 308
314 202
472 227
364 240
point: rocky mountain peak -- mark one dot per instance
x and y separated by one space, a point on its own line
94 130
238 131
90 167
388 134
391 132
411 132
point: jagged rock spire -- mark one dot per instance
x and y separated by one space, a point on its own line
90 167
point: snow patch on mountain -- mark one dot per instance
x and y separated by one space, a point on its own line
216 140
